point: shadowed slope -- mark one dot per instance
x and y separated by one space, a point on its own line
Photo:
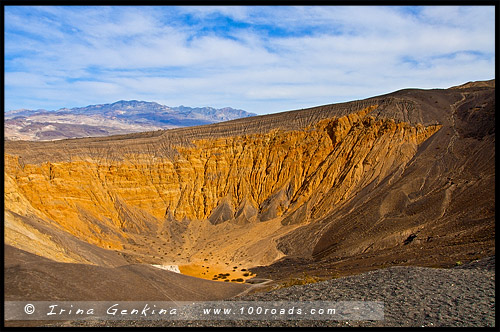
31 277
434 210
407 177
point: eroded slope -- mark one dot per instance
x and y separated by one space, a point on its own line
323 184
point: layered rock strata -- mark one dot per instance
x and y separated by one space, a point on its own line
296 175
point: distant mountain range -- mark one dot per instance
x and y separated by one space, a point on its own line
121 117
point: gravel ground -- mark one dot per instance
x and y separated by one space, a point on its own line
412 296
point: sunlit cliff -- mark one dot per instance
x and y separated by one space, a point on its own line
243 196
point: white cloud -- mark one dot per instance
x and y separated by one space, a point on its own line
24 80
266 59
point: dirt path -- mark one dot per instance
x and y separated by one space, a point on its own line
255 287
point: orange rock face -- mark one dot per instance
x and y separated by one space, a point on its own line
295 176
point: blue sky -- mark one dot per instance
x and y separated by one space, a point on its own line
260 59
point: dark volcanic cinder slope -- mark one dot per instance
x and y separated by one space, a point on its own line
403 178
463 296
435 210
27 280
